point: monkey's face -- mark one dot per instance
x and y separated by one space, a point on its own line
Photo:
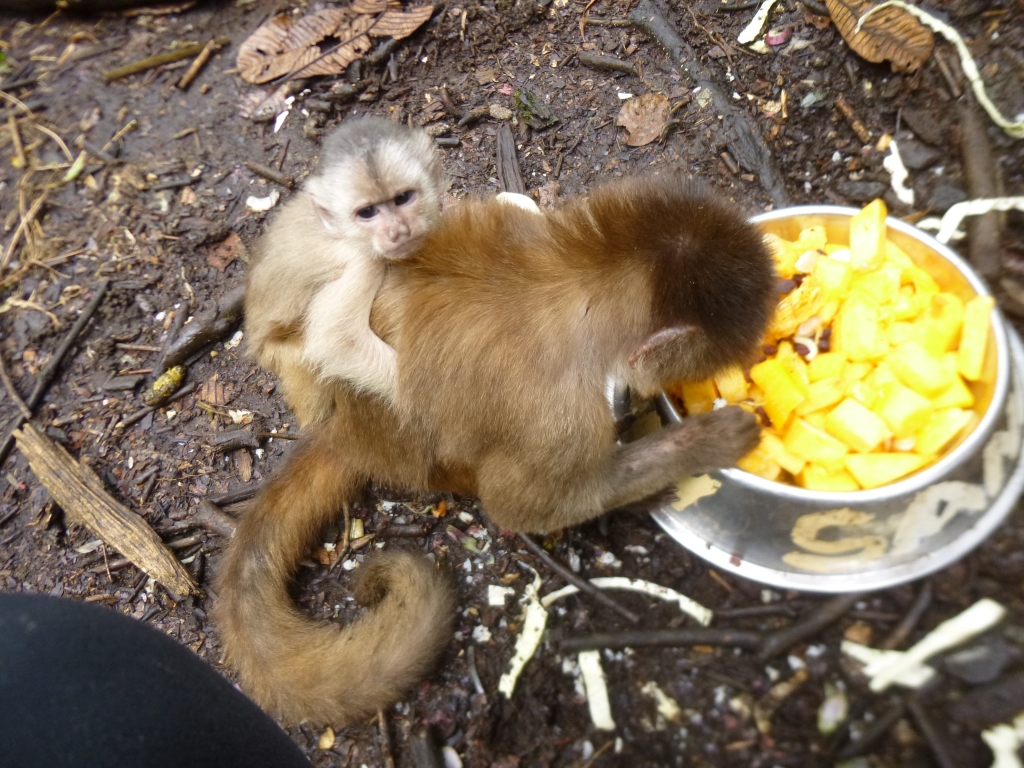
394 226
683 352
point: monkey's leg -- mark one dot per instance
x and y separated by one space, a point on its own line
699 444
300 668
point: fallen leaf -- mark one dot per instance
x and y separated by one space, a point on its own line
644 117
892 34
216 392
225 252
486 75
243 463
285 45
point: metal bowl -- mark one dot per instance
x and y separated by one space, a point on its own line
794 538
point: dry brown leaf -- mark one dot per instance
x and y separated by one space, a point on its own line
286 45
243 464
216 392
892 34
644 117
225 252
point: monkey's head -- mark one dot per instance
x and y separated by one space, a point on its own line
711 279
378 185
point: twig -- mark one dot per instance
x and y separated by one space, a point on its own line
914 615
198 64
12 391
214 519
129 126
140 414
26 222
983 244
738 6
341 551
789 608
875 731
19 148
60 142
658 638
47 374
150 62
474 676
270 174
235 496
385 740
510 177
932 735
206 328
582 585
809 624
745 141
611 63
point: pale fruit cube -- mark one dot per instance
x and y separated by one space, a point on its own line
882 284
942 428
816 419
919 370
781 393
826 365
900 332
944 316
759 463
923 282
811 239
777 451
974 336
873 470
907 306
956 395
821 394
795 364
697 396
880 377
833 277
861 429
813 444
863 393
815 478
731 385
784 254
896 255
904 410
795 307
856 332
855 372
867 236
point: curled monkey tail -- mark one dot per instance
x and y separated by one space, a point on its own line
299 668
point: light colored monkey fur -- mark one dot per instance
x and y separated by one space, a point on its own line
315 272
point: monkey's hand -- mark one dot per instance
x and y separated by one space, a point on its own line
699 444
718 439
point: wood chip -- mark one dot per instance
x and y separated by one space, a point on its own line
82 495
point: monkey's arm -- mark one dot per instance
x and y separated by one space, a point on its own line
339 341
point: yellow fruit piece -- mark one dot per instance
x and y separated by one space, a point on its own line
974 336
956 395
941 430
810 443
811 239
880 377
855 372
904 410
826 365
759 463
919 370
873 470
945 314
790 358
856 426
923 282
863 393
781 393
833 277
778 453
867 236
698 396
896 255
731 385
907 306
815 478
856 332
783 253
816 419
882 284
798 305
900 332
820 394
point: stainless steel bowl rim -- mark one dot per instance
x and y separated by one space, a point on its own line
946 464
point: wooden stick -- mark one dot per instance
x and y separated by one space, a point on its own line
26 221
12 391
198 64
47 374
82 495
510 177
270 174
582 585
152 61
19 148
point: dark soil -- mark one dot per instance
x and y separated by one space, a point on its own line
171 250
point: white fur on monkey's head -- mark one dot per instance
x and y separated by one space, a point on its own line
377 177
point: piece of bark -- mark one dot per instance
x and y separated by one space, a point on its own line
510 178
206 328
983 232
744 139
82 495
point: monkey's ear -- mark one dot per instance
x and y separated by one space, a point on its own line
327 218
658 341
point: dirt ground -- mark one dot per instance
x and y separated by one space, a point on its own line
166 220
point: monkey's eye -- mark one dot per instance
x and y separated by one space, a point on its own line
368 212
405 197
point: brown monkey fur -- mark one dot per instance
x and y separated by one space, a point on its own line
507 326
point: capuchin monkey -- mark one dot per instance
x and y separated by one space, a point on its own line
314 274
507 326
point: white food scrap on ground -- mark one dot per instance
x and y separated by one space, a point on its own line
898 174
259 204
1005 741
948 227
686 605
535 618
668 708
597 690
496 595
753 29
874 660
765 708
